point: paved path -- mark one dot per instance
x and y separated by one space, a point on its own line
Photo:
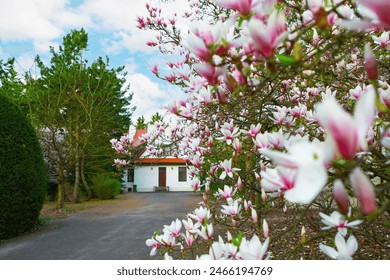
108 232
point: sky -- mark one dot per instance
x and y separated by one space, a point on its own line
29 27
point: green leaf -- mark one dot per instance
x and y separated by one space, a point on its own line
236 241
286 60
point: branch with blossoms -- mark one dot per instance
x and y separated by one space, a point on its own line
287 106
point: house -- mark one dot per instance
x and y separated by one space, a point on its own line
150 173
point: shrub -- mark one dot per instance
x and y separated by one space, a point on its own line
106 187
23 180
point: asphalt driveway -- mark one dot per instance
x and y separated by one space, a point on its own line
113 232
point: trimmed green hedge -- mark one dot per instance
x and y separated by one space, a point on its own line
105 187
23 179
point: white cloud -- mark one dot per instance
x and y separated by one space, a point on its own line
38 20
149 96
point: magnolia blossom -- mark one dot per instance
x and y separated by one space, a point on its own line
206 232
233 208
253 249
227 169
345 250
200 214
227 192
383 40
155 243
348 132
242 6
376 13
265 38
174 228
304 173
337 220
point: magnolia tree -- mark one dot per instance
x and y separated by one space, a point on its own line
287 107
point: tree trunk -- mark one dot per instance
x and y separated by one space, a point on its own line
85 183
68 193
76 190
61 190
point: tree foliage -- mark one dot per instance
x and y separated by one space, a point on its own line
22 172
77 107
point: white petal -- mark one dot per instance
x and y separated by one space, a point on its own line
331 252
341 244
364 114
352 245
280 158
309 181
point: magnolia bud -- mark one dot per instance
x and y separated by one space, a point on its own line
363 190
303 235
229 236
340 196
265 228
254 216
239 183
370 64
263 195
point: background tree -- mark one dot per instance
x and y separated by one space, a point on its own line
141 124
156 118
76 107
22 172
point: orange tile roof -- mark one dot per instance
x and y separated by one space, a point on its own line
136 139
160 161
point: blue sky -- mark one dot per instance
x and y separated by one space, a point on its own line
29 27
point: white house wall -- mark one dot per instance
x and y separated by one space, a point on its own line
146 178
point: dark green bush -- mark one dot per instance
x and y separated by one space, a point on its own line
22 172
105 187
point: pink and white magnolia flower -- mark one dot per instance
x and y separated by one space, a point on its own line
200 214
253 131
230 132
304 173
209 72
227 192
242 6
174 228
345 249
376 15
227 169
348 132
383 40
233 208
189 239
253 249
237 145
338 221
155 243
381 10
206 232
266 38
280 178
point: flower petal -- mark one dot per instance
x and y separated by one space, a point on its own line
309 181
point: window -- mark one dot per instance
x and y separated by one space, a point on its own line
167 151
130 175
182 174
